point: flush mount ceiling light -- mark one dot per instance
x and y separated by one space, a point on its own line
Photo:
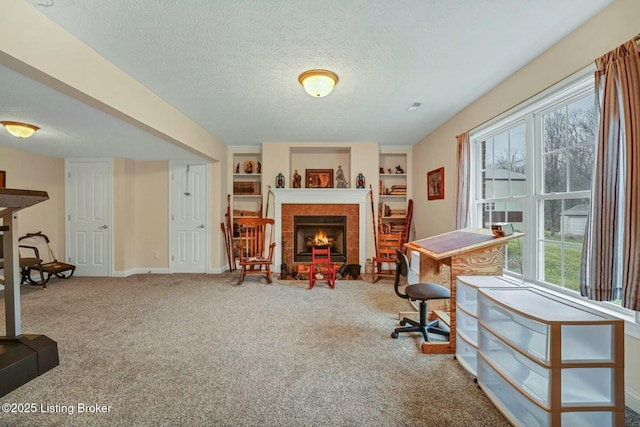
20 130
318 83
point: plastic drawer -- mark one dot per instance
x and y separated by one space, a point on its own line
587 419
519 410
526 334
467 290
587 386
532 378
467 297
467 326
586 336
596 341
467 355
522 412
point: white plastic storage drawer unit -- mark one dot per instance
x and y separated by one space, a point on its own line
467 290
466 315
561 363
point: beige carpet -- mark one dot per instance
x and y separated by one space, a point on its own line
178 350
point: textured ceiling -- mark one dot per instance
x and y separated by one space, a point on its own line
232 66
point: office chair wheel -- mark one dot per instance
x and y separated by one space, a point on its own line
394 335
403 323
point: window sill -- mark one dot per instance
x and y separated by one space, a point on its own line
631 327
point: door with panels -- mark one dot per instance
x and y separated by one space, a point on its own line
88 189
189 224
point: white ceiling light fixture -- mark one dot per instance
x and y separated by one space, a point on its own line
19 130
318 83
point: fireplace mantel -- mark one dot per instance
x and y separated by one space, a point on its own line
347 196
320 195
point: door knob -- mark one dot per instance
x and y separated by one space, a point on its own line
200 226
104 227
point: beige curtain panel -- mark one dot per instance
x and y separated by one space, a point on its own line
611 252
462 190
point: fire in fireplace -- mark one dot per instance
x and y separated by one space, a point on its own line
319 231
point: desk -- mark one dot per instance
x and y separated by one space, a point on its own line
468 252
24 357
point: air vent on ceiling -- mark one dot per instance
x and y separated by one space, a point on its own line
414 106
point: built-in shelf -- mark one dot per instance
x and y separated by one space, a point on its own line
392 208
245 205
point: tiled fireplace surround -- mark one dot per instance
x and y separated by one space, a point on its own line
348 202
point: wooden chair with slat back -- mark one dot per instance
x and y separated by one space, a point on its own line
255 247
406 228
385 260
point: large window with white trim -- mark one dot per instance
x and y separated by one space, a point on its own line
532 167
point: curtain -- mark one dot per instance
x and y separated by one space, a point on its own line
462 191
611 251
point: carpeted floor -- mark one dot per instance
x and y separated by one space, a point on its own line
176 350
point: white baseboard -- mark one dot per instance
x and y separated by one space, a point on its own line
133 271
632 399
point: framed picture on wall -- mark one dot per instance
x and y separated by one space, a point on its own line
319 178
3 179
435 184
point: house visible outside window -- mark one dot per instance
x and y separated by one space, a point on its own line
532 167
490 206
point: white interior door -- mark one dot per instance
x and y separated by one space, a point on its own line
188 218
88 216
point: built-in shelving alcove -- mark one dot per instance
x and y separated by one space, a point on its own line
327 157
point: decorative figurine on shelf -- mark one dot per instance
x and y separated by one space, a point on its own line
360 181
399 169
340 181
280 181
297 179
381 170
389 170
259 168
249 166
238 168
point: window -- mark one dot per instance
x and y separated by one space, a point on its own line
567 134
502 183
532 167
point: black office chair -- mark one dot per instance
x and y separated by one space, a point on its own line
422 292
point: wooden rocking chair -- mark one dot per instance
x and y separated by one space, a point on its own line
254 252
385 260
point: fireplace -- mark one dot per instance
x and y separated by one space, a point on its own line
350 202
319 231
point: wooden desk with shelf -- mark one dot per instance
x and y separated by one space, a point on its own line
468 252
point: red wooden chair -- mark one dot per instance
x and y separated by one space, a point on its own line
322 269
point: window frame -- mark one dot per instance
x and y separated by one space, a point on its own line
531 112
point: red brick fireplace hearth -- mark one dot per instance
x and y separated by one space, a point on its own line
351 211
